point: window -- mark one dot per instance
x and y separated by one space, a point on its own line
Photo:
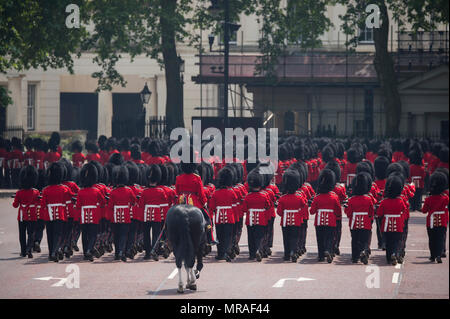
365 35
31 107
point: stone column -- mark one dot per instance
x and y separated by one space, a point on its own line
105 113
14 111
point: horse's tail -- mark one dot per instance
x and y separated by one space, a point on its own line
180 237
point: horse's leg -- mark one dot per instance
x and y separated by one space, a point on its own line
191 279
180 282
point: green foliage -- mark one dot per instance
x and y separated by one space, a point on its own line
5 99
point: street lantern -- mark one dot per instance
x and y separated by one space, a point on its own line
145 94
211 41
181 63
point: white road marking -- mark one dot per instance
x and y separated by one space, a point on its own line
398 266
395 277
280 283
173 274
61 281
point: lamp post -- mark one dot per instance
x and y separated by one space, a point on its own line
145 99
227 26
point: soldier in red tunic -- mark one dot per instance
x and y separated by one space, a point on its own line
436 208
289 208
327 208
29 155
78 158
354 157
55 199
255 207
121 201
152 197
15 161
360 213
340 191
90 201
92 152
223 208
380 165
418 176
393 211
27 199
189 188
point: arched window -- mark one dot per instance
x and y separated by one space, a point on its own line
289 121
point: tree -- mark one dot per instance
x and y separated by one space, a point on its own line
418 14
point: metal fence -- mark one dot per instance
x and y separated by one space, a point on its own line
13 131
156 127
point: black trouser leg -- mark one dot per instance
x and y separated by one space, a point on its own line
58 235
355 235
131 236
39 233
85 237
68 230
305 223
416 201
393 242
380 234
50 240
147 241
329 231
156 230
260 232
270 226
23 237
31 229
337 236
294 234
286 242
92 235
320 241
240 225
75 233
220 238
251 241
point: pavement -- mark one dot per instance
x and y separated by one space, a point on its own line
272 278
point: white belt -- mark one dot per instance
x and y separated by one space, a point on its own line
387 220
50 209
357 214
251 210
147 207
82 211
432 218
219 209
319 213
287 211
115 211
164 205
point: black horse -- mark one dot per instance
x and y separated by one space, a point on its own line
186 234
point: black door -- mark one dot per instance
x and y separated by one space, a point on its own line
79 111
444 130
128 115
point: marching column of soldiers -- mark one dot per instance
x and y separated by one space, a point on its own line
117 196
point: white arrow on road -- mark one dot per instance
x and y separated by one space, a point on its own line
60 283
280 283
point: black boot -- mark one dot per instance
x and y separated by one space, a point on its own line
209 238
37 247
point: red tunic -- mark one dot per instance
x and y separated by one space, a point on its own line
171 199
71 213
393 211
191 186
15 159
436 206
93 157
150 204
78 159
222 206
360 212
327 209
90 203
349 173
137 190
255 206
28 202
55 199
154 160
104 157
29 158
39 158
121 201
418 175
52 157
290 209
3 157
282 166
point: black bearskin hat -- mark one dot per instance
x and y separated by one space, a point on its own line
328 153
28 177
327 181
394 187
438 183
135 151
226 177
291 180
102 143
366 166
133 173
16 143
91 147
28 143
283 152
124 144
55 173
443 155
55 139
111 143
88 175
254 179
405 167
415 157
68 168
354 156
395 167
120 175
116 159
153 174
164 174
384 152
100 170
188 168
76 147
445 172
361 184
336 168
381 164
